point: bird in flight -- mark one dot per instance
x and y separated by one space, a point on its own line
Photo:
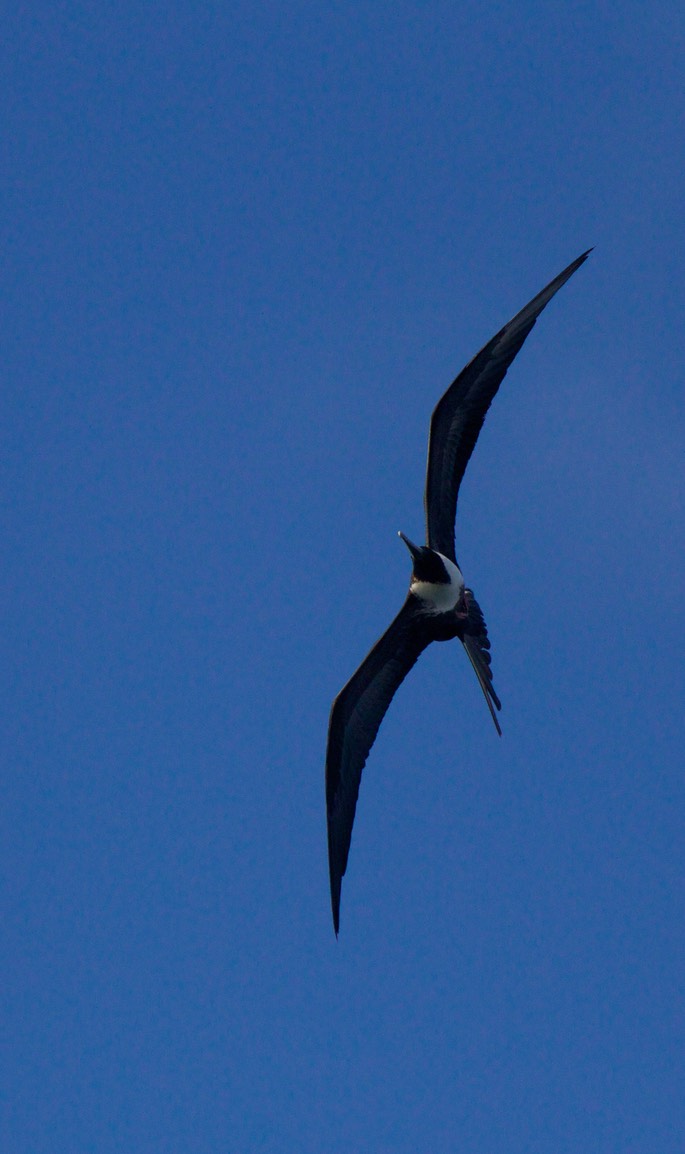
439 606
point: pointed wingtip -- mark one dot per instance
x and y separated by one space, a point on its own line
575 265
568 272
583 257
336 888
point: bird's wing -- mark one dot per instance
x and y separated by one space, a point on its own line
477 645
356 715
458 417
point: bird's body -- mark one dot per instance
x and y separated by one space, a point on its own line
440 596
438 606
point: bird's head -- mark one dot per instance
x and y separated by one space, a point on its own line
427 565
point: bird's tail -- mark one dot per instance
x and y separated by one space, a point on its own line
477 645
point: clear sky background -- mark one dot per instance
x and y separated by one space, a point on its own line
244 250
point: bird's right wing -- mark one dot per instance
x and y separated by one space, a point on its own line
459 414
355 718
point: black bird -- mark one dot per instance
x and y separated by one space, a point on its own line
438 606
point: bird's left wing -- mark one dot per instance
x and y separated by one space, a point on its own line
355 718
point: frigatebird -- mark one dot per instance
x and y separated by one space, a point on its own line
438 606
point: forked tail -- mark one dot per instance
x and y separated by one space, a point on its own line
477 645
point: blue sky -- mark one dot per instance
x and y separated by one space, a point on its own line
244 251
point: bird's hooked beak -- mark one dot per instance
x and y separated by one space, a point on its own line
415 550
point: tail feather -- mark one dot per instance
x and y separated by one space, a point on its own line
477 644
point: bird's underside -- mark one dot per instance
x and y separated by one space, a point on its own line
438 607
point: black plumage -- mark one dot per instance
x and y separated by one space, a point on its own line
459 414
438 606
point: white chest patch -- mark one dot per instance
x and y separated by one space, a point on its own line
440 597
